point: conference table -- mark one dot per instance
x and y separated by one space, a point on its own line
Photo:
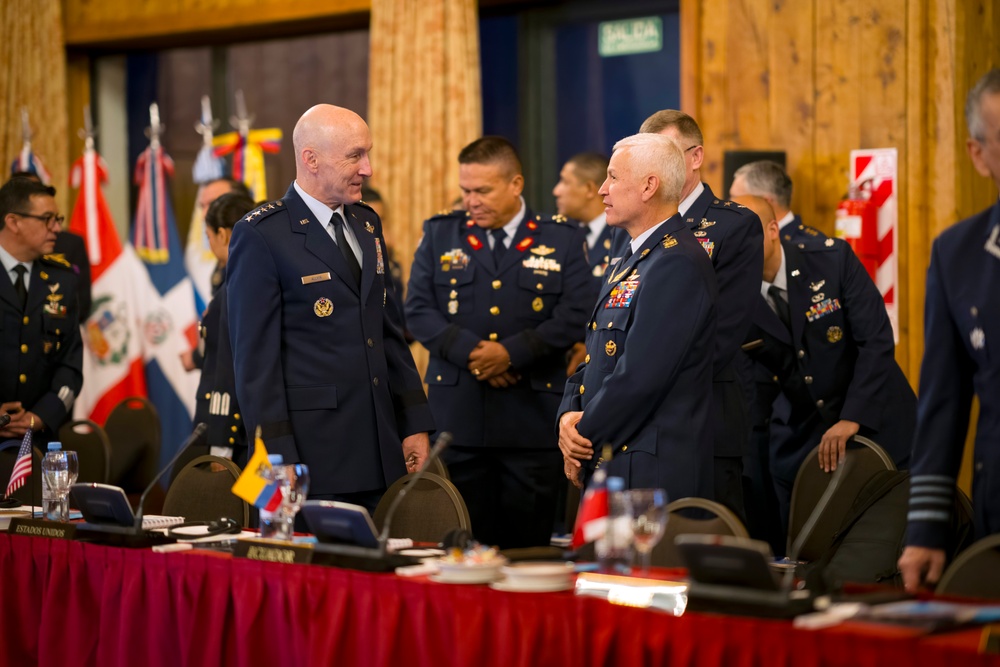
68 603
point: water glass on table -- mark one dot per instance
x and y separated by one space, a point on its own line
294 489
649 521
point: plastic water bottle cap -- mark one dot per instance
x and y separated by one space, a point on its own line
54 446
616 484
275 459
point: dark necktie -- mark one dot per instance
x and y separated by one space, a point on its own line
498 247
628 253
352 260
19 286
780 306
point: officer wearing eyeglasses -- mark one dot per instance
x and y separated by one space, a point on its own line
40 346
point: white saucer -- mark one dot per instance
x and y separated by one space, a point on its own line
484 577
547 587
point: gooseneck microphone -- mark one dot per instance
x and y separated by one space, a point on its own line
439 446
195 434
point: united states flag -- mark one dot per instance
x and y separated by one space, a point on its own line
22 466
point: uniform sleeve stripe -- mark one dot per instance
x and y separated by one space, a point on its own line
928 515
946 502
934 489
939 479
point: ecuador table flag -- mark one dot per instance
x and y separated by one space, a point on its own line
255 484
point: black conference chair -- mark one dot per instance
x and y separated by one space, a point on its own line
974 572
202 491
698 516
427 513
92 447
133 428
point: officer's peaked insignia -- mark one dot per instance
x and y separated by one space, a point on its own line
644 253
532 225
669 241
834 334
977 338
304 221
369 227
543 250
323 307
817 286
526 243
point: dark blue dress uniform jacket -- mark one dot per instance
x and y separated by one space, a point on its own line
321 364
646 386
961 358
838 363
535 304
42 352
600 254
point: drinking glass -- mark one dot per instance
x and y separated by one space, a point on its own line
294 489
649 521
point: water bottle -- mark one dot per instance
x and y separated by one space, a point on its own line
55 483
614 548
270 522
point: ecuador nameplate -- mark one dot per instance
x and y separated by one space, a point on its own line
42 528
273 552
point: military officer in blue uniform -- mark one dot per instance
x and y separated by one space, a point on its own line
577 199
498 294
646 385
769 181
216 403
732 238
961 330
320 361
820 326
41 372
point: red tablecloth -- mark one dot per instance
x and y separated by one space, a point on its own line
65 603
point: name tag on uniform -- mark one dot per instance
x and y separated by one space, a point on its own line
315 278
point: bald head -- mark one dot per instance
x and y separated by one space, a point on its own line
772 241
332 146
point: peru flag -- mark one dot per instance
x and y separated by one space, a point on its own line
592 518
112 362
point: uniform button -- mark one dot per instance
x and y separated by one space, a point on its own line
234 429
236 415
609 324
548 385
494 337
438 378
802 353
494 310
371 343
208 397
775 378
375 381
582 388
497 284
979 466
454 281
820 403
539 286
232 441
808 379
593 326
24 378
24 349
624 448
25 320
586 359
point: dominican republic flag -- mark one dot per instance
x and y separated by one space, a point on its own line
112 338
169 321
253 485
198 257
27 161
592 518
22 466
248 156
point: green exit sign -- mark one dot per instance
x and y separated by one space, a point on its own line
621 38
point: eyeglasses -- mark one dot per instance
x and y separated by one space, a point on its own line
691 148
49 218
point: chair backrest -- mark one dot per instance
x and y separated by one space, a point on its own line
427 513
133 427
202 491
974 572
92 447
862 460
31 492
438 467
694 515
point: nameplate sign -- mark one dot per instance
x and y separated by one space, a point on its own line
273 552
42 528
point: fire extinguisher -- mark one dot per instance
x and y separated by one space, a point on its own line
857 223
